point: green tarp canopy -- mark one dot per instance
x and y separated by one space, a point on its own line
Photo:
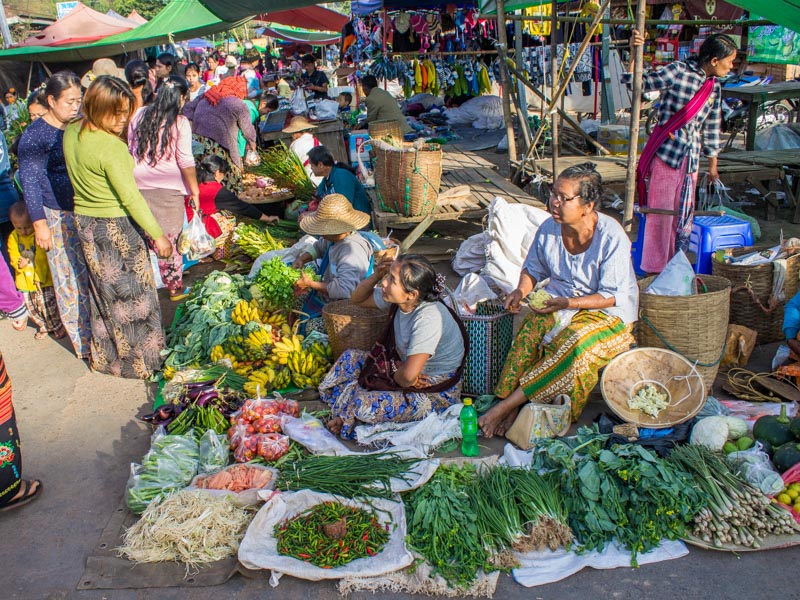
240 9
785 13
179 20
489 7
313 38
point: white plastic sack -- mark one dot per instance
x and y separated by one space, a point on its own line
540 568
777 137
482 112
298 102
259 549
327 110
511 229
471 254
289 255
755 466
677 278
426 435
471 290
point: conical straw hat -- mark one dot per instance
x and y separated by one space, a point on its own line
335 215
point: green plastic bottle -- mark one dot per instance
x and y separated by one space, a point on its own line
469 429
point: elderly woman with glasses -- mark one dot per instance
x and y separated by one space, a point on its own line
587 320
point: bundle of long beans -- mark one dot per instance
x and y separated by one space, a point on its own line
736 512
350 476
284 167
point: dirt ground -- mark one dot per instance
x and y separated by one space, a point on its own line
80 434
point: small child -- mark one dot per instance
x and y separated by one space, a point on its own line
345 99
32 275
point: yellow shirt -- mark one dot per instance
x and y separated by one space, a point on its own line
36 272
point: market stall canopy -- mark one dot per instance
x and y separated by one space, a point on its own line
135 16
81 25
317 18
179 20
125 20
781 12
241 9
301 36
365 7
489 7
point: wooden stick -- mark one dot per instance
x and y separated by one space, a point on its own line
636 104
505 83
553 87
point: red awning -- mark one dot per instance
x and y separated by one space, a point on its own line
310 17
79 26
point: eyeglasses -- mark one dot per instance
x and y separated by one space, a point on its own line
558 200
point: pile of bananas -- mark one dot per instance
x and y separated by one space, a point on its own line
267 378
245 311
282 349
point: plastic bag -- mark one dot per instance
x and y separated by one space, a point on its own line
244 498
327 110
677 278
298 102
311 433
289 255
195 242
754 465
471 291
272 446
214 452
252 158
171 463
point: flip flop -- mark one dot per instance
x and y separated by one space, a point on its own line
184 294
27 496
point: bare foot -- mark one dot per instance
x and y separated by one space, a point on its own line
334 425
493 420
507 422
19 324
40 335
60 333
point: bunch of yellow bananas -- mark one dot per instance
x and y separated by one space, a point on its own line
261 381
244 369
322 351
283 348
259 341
307 368
216 353
283 379
276 319
244 312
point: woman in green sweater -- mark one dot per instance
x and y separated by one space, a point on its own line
111 214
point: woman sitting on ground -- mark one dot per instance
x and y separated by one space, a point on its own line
219 206
337 179
426 339
345 255
561 347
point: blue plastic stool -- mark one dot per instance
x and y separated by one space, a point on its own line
636 246
712 233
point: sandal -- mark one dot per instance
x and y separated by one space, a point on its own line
26 496
181 295
40 335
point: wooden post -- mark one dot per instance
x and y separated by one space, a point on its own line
505 83
636 102
551 113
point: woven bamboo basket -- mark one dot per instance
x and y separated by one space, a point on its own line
751 291
696 327
351 326
408 180
384 129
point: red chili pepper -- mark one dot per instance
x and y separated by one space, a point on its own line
370 551
304 556
327 567
365 537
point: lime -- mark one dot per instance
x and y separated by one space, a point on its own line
796 507
784 499
794 486
793 494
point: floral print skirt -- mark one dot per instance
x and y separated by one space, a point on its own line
569 364
10 451
233 172
352 403
127 337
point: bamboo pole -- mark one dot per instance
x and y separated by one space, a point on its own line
502 47
636 102
553 87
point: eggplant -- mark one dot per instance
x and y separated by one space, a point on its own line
206 397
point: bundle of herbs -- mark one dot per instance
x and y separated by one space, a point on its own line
254 240
443 528
625 492
331 534
274 284
736 512
349 476
287 171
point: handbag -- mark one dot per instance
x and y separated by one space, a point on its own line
537 420
378 370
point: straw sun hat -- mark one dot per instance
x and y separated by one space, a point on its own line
102 66
335 215
299 124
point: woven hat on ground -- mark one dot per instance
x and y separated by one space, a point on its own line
299 124
102 66
335 215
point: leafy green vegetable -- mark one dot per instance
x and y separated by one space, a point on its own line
275 282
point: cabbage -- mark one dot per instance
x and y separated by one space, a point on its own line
711 432
736 427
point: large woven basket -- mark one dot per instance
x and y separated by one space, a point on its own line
408 180
491 332
384 129
352 326
696 327
751 291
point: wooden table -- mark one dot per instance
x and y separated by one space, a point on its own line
458 168
756 95
271 199
329 133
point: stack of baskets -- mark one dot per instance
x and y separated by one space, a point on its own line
696 327
751 291
351 326
408 178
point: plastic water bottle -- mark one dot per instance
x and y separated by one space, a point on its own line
469 429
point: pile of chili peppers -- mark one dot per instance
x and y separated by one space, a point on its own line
331 534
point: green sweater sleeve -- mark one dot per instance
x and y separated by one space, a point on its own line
118 166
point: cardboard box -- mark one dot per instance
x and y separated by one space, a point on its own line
615 138
359 144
